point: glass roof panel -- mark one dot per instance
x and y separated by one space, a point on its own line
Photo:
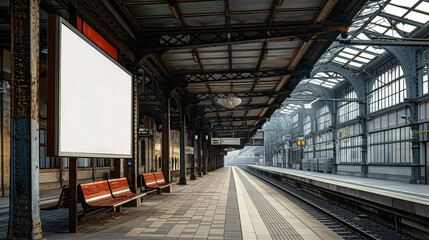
406 3
417 17
394 10
387 18
424 6
405 27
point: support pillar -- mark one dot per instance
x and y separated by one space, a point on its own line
364 151
132 177
416 175
73 195
204 147
182 151
192 156
117 165
166 137
199 154
24 212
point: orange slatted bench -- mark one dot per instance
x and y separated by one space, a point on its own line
63 202
120 189
98 195
159 177
149 181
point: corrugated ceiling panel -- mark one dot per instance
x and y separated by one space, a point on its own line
182 63
178 56
193 68
158 23
256 45
284 44
213 54
291 17
149 10
246 66
294 4
254 112
201 7
242 19
246 5
204 21
213 68
246 53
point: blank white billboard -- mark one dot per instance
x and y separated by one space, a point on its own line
94 100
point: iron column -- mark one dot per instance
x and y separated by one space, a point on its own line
24 212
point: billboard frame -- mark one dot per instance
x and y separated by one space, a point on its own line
54 89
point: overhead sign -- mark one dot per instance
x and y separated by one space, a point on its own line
225 141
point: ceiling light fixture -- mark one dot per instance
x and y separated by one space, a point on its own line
229 102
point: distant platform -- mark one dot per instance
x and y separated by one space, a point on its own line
411 198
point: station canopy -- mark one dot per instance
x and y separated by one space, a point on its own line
200 51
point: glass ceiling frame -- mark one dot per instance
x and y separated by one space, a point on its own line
387 19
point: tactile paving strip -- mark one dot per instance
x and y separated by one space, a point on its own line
277 226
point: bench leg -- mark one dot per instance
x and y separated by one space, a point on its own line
117 209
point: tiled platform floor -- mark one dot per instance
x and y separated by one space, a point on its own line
225 204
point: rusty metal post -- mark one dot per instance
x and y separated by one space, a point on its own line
24 213
117 166
166 135
73 195
132 174
199 153
204 147
192 156
182 179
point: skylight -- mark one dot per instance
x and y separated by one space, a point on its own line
289 108
324 79
381 19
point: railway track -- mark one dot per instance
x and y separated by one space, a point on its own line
344 228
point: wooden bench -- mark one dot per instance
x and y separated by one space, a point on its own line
150 181
99 194
159 177
63 202
120 189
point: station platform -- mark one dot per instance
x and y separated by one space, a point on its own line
411 198
228 203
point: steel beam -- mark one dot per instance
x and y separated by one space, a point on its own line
206 96
196 77
399 43
191 39
24 212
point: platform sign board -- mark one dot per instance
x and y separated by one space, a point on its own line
92 94
225 141
215 141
